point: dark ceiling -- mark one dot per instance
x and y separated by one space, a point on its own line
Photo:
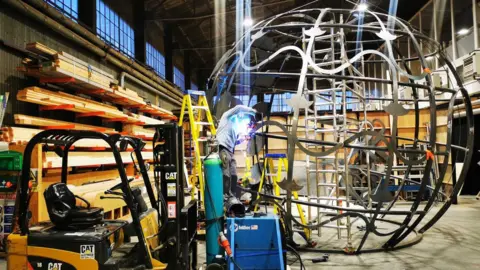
194 25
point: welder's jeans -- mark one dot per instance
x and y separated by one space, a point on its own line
229 168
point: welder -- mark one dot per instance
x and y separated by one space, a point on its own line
234 128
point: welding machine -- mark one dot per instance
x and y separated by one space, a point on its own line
256 242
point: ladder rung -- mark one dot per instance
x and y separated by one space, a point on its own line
323 64
324 117
341 82
326 198
200 107
196 93
326 36
319 91
342 227
324 157
355 188
203 123
322 171
322 51
327 185
324 130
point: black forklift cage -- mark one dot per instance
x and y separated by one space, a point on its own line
65 139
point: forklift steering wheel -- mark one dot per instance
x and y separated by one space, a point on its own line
119 185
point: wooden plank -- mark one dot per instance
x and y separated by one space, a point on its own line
81 105
84 159
138 131
39 48
73 60
21 119
79 179
19 135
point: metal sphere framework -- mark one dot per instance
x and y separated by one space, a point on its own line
339 71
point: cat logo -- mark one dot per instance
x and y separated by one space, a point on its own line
87 252
54 266
171 176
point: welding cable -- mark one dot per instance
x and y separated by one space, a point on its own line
299 258
368 224
234 263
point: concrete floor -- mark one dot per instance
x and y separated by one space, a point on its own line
454 243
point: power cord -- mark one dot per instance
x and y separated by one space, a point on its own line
299 258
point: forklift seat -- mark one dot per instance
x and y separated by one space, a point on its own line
65 214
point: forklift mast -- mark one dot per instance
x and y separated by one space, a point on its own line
169 180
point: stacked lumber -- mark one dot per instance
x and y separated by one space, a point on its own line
139 131
80 105
21 119
88 159
64 65
81 76
21 136
146 120
39 48
18 135
126 97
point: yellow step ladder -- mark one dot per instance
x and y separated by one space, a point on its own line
196 115
275 177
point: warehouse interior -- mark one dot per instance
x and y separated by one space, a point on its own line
246 134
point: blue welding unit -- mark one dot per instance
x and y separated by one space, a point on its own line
256 242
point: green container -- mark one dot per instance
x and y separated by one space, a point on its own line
11 161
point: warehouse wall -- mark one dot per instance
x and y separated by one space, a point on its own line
17 30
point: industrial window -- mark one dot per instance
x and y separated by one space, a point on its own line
245 99
156 60
193 86
114 30
179 78
279 103
67 7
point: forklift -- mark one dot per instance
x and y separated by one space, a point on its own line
78 237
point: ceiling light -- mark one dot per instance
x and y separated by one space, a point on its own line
463 31
362 7
247 22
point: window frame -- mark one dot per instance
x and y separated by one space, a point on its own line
69 9
155 59
179 76
114 30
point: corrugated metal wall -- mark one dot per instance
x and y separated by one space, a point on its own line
18 30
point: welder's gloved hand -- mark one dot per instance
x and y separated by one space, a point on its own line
233 206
